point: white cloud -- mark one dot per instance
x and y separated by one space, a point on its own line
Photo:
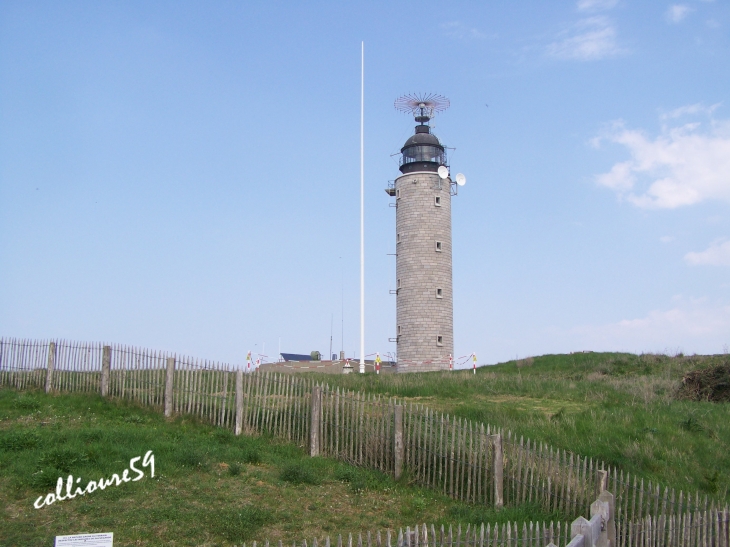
694 325
620 178
596 5
590 39
690 109
456 29
717 254
684 165
677 12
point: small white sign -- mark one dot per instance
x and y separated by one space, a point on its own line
86 540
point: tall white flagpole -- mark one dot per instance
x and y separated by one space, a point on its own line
362 211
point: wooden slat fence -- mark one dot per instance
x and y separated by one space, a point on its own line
23 363
561 481
449 454
278 405
137 374
690 529
472 462
445 453
205 389
77 367
510 534
357 428
555 479
663 511
709 529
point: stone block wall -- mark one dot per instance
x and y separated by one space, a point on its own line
423 268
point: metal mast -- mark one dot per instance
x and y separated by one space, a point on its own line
362 210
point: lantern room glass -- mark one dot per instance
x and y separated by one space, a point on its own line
423 152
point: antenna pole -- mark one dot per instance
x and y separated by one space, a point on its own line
362 210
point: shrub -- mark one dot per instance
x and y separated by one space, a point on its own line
692 425
559 415
345 473
223 436
708 384
252 456
26 402
359 479
19 440
191 458
63 459
299 473
45 478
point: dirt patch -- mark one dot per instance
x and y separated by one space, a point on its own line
548 407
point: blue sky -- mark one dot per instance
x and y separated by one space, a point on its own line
185 175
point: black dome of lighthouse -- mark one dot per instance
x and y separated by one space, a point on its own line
421 138
422 152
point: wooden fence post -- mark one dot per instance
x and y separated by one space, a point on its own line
603 495
580 532
601 509
610 525
239 401
51 366
601 481
498 471
398 447
316 416
168 386
106 362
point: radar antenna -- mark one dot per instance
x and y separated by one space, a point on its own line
423 105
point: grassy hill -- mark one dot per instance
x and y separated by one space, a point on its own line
620 408
212 488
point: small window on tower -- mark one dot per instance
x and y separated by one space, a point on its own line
397 193
397 238
399 330
398 284
439 293
437 202
438 246
439 340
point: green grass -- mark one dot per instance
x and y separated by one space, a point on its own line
620 408
213 488
210 487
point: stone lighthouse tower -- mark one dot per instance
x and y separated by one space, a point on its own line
423 192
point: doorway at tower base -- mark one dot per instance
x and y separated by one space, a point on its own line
430 365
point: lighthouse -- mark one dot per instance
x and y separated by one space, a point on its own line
424 288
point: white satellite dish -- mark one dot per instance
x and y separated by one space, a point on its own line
460 179
443 171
